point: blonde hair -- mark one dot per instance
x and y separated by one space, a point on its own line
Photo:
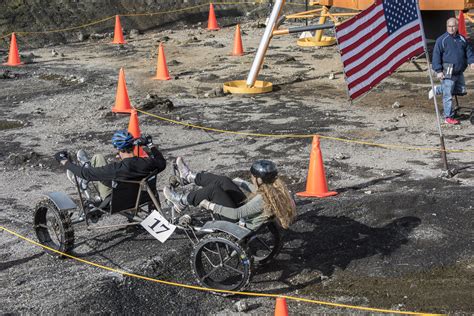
278 202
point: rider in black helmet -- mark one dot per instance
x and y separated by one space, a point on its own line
256 202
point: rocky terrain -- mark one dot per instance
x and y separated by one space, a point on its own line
397 236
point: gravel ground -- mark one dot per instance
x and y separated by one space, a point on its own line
398 236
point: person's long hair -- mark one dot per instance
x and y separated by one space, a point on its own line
278 202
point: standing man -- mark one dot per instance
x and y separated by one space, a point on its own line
451 56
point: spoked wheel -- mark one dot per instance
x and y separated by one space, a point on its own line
265 244
220 263
53 227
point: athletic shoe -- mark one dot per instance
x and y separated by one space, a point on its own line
174 197
451 121
184 172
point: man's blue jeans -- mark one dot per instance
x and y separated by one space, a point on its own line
448 88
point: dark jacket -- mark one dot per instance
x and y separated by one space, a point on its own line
135 168
452 49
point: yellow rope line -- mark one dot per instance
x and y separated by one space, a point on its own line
392 146
126 15
199 288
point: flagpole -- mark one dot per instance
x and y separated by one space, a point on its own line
441 137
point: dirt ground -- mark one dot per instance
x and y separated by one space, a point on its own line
398 236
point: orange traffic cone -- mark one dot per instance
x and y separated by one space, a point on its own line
462 25
161 68
122 101
134 129
238 50
281 309
212 21
118 34
316 185
13 56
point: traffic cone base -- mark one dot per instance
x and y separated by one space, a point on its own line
13 55
212 21
118 34
320 195
316 184
122 101
161 67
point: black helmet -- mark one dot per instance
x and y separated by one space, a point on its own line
265 170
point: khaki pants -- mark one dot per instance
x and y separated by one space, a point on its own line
98 160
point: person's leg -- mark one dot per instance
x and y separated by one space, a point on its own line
226 184
448 86
98 160
213 193
459 85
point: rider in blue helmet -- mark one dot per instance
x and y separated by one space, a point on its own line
129 166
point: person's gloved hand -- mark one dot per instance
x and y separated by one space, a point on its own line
61 156
440 75
205 204
144 140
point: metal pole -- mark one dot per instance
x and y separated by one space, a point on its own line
265 41
306 7
441 137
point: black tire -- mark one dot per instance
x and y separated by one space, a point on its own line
265 244
53 227
220 263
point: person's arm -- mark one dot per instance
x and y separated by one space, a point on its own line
105 173
252 207
437 62
157 156
470 55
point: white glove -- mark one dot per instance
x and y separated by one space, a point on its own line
440 75
205 204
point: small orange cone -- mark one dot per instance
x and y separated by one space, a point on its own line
161 68
462 25
13 56
281 309
212 21
134 129
122 101
316 185
118 34
238 49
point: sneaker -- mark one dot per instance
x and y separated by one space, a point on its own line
451 121
184 172
174 197
430 94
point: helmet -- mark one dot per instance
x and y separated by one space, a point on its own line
122 140
265 170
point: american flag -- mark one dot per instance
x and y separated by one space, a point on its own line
377 41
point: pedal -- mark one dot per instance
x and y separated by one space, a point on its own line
184 220
82 157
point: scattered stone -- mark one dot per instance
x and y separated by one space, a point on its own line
341 156
154 101
174 62
97 36
7 74
402 114
393 120
15 159
289 59
241 306
208 77
81 37
390 128
331 76
133 33
153 265
216 92
54 53
396 105
368 192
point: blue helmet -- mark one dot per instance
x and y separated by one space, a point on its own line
122 140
